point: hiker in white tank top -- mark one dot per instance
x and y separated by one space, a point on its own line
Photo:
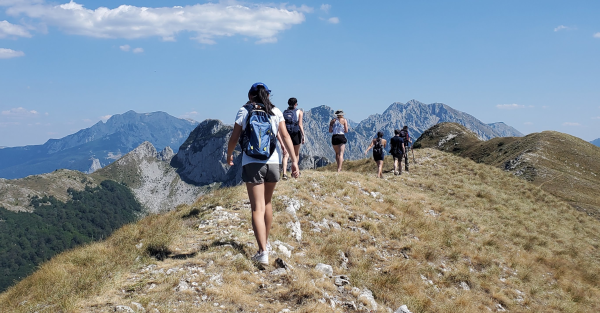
338 127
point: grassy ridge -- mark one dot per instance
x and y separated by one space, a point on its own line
453 236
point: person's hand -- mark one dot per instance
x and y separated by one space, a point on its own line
302 139
230 159
284 152
295 169
332 121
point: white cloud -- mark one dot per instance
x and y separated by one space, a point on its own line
597 35
333 20
191 115
596 118
528 123
208 21
325 8
105 117
571 124
138 50
7 29
563 27
125 47
19 112
510 106
9 53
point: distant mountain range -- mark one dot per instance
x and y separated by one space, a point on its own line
416 115
596 142
93 148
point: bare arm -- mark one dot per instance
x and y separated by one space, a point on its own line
300 117
283 150
331 125
233 141
345 126
384 143
370 146
289 146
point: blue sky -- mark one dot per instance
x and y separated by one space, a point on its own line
534 65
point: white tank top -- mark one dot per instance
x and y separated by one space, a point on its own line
338 128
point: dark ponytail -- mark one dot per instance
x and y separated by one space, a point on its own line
379 134
292 102
261 95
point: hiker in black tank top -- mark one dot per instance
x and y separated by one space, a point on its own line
378 144
296 130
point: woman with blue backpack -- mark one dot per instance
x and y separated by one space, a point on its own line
378 144
257 126
293 123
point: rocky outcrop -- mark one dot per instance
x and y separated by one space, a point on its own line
202 159
166 154
95 166
155 184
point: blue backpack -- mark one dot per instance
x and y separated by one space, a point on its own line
291 120
258 139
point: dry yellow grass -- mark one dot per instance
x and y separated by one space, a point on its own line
453 236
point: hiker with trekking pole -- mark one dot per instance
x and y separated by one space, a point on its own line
407 145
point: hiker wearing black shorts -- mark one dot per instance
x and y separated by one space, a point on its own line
257 123
293 123
407 144
339 127
397 150
378 144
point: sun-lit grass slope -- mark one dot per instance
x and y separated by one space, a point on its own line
452 236
449 137
561 164
15 194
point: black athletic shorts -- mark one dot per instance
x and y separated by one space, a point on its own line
296 138
398 156
378 156
338 140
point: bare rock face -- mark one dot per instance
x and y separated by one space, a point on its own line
95 166
166 154
202 159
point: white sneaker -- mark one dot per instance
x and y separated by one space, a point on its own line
261 257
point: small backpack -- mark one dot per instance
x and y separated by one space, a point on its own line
378 149
258 140
291 120
405 136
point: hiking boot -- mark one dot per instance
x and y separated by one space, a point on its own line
284 177
261 257
396 173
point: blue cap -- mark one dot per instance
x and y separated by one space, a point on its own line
254 87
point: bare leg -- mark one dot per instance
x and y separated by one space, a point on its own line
336 148
297 152
396 165
269 188
379 169
341 157
256 193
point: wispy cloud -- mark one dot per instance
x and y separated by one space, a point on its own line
191 115
528 123
104 118
512 106
138 50
597 35
7 30
333 20
9 53
596 118
571 124
563 27
325 8
207 21
19 112
125 47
